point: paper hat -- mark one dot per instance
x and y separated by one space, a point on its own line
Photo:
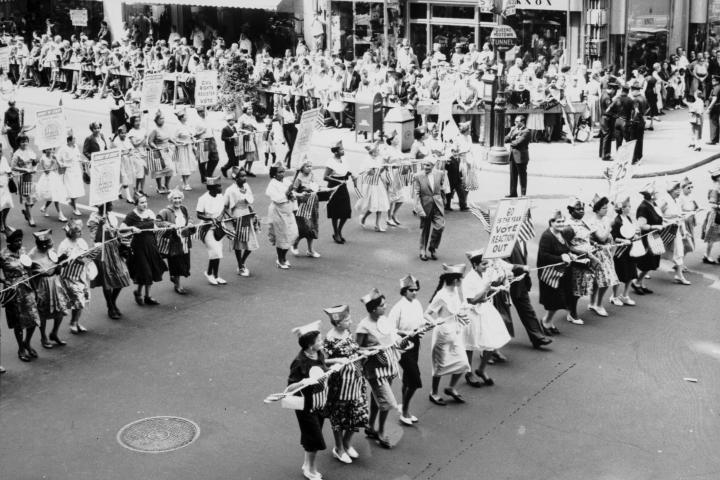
74 224
409 282
310 327
175 192
576 203
373 148
338 145
475 254
338 313
649 188
672 185
458 269
686 181
229 116
373 295
212 181
43 235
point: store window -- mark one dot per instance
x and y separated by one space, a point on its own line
648 22
442 11
713 24
418 11
359 26
540 32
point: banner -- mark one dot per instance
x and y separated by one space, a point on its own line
51 128
151 92
5 59
206 88
620 172
79 17
104 176
509 217
305 128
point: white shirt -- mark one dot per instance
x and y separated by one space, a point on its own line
407 315
211 206
277 191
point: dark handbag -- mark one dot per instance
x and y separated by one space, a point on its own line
324 195
86 178
218 233
12 186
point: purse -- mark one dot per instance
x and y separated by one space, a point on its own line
655 244
637 249
12 186
293 402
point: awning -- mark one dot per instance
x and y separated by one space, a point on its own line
257 4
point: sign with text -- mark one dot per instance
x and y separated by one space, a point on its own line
305 128
620 172
503 37
151 92
509 7
510 215
79 17
206 88
51 128
486 6
5 59
104 176
561 5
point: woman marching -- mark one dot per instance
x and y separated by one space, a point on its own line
308 211
690 209
52 300
127 166
174 243
161 143
375 193
210 208
346 403
282 230
138 139
50 187
553 263
448 348
184 150
6 201
399 187
75 274
604 275
70 159
21 310
673 214
649 221
24 164
625 231
711 227
113 274
337 175
239 199
582 274
146 264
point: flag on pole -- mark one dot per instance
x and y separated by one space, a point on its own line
667 235
527 229
482 215
551 276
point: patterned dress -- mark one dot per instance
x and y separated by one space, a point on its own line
52 299
21 310
112 271
604 271
74 276
582 277
346 405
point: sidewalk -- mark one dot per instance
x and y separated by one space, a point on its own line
666 149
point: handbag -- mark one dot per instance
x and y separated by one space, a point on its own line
655 244
12 186
293 402
637 249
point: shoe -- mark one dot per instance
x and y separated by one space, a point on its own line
337 239
187 188
342 239
617 301
379 229
511 196
43 210
57 340
392 223
423 257
574 321
647 291
294 251
371 433
46 344
23 356
471 382
486 380
220 281
250 174
454 394
352 453
31 222
62 217
2 370
692 145
637 288
113 314
180 290
312 254
546 328
151 301
437 400
628 301
681 281
344 458
384 442
311 476
211 280
432 255
601 311
542 342
405 420
554 330
244 272
223 170
82 329
414 419
698 149
78 213
282 266
499 357
74 330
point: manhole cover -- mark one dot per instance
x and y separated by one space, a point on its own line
158 434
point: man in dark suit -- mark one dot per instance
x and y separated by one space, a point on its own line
607 121
429 205
229 136
518 140
519 293
351 82
621 108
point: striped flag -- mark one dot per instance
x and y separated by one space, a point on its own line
320 119
482 215
667 235
527 229
551 276
620 250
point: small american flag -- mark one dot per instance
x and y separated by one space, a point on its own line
667 235
551 276
527 229
620 250
320 120
483 216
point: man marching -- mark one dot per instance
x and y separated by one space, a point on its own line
429 205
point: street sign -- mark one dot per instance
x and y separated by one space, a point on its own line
79 17
486 6
503 235
503 37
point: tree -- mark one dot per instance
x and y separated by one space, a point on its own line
236 86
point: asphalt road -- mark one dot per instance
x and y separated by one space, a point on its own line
606 401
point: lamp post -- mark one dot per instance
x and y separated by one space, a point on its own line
503 38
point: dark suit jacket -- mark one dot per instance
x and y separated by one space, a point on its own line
225 135
519 139
354 82
518 258
91 145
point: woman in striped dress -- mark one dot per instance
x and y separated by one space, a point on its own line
346 405
375 189
185 153
308 211
161 143
23 165
75 274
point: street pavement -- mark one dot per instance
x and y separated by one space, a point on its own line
607 400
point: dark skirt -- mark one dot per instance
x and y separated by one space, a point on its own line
556 298
112 271
409 363
21 311
648 262
338 206
501 302
311 436
146 264
625 267
179 265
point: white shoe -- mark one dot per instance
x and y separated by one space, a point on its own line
414 419
352 453
406 420
282 266
312 254
211 280
187 188
601 311
344 458
294 251
575 321
617 301
62 217
245 272
311 476
77 213
220 281
628 301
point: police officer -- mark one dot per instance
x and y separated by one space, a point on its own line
621 108
607 121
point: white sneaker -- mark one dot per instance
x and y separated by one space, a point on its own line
344 458
617 301
245 272
211 280
628 301
294 251
414 419
352 452
220 281
575 321
62 217
282 266
406 420
313 255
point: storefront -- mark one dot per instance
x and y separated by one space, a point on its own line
31 15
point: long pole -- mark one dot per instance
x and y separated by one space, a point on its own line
568 43
386 49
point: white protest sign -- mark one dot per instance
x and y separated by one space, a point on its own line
206 88
307 124
510 215
104 176
620 172
51 128
5 59
151 92
79 17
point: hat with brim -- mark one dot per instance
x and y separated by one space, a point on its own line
648 189
307 328
454 270
409 281
338 313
